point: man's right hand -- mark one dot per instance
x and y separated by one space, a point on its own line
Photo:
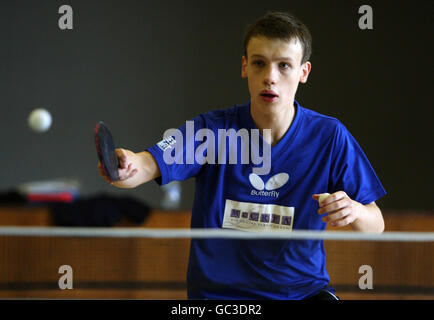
127 167
134 169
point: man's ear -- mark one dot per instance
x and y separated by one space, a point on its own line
243 67
305 70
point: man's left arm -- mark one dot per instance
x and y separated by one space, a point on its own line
342 211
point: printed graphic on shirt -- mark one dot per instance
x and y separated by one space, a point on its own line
275 182
257 217
166 143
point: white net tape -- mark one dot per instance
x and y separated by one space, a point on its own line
99 232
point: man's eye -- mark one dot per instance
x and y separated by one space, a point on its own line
258 63
284 65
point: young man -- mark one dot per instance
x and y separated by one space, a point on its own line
310 154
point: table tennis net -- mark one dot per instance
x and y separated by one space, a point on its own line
152 264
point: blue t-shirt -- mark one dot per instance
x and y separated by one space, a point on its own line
316 155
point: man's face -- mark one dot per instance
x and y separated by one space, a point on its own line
273 69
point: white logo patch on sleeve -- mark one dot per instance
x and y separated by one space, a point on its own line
166 143
257 217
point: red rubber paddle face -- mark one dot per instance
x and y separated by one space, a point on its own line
105 149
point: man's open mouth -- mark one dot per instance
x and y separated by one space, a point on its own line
269 95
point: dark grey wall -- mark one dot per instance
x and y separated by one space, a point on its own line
145 66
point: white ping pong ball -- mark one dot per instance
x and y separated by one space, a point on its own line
323 196
40 120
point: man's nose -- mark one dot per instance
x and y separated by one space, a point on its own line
271 75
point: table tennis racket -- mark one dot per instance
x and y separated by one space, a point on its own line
105 149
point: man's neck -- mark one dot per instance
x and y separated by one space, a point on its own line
279 123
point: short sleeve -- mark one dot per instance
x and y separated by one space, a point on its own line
175 153
351 171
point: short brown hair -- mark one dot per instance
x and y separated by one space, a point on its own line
280 25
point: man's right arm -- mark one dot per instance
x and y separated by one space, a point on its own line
134 169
